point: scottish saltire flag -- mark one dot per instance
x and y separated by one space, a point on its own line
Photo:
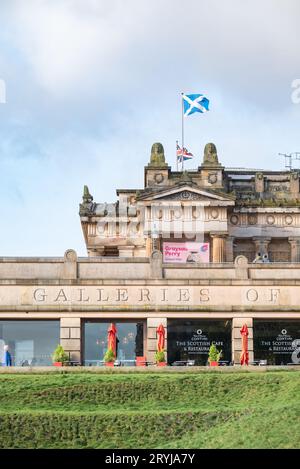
194 103
183 154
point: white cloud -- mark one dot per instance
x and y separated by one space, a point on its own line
92 84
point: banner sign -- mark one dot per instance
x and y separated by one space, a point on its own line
186 252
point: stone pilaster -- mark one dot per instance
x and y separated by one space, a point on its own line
229 248
294 183
70 337
259 182
295 248
237 324
261 244
152 325
218 247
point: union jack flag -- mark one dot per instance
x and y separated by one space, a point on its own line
183 154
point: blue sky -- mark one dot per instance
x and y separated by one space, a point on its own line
91 84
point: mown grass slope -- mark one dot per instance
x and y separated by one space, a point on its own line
178 410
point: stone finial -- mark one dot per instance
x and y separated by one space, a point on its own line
69 266
210 157
157 155
241 267
87 197
156 259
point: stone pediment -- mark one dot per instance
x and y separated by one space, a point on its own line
188 193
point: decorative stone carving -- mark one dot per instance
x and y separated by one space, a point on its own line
214 213
234 219
158 178
252 219
185 195
210 157
288 219
212 178
270 219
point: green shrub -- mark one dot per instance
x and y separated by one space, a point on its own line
109 356
59 355
214 354
160 356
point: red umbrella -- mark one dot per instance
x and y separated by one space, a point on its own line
112 338
244 355
161 333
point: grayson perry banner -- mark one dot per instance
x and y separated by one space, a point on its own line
186 252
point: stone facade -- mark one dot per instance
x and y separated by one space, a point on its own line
238 212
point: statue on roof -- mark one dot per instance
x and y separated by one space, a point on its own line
157 155
87 197
210 155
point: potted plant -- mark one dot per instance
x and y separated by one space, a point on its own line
59 356
160 358
214 355
109 357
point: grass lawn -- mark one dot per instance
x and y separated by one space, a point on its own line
150 410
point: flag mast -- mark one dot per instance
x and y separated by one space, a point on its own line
176 156
182 131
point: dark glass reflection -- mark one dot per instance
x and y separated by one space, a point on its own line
278 342
130 345
191 340
30 342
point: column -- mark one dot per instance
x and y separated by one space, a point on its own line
229 248
70 337
295 248
218 247
148 247
237 324
152 325
261 244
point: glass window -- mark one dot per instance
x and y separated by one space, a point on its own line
129 345
278 342
29 342
191 339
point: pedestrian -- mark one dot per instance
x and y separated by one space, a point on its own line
7 357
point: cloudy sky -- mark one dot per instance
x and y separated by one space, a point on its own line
91 84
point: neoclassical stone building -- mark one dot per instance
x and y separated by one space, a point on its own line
221 219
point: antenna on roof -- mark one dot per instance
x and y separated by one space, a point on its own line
290 158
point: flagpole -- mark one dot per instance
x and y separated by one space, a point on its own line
176 156
182 130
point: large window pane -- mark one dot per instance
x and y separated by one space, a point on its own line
130 345
30 342
191 339
278 342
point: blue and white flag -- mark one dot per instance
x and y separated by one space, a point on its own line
194 103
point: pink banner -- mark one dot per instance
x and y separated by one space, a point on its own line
186 252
